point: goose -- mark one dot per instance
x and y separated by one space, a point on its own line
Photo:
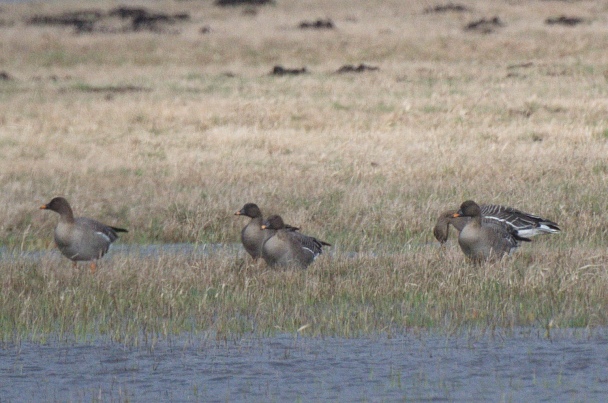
481 241
80 238
285 246
524 224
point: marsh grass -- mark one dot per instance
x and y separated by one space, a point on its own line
223 296
363 161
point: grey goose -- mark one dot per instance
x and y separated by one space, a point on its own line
80 238
525 225
481 241
286 247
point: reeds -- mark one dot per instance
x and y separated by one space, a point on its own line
364 161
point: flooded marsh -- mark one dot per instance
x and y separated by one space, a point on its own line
357 121
162 291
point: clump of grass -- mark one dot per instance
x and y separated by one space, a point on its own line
602 135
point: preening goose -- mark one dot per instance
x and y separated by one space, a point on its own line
524 224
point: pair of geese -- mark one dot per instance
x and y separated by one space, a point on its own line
486 232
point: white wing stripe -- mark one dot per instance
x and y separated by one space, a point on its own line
107 238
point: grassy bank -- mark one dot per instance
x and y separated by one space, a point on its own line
150 299
168 131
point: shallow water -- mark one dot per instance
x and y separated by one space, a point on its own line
118 251
127 250
524 365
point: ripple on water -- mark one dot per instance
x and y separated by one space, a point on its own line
522 365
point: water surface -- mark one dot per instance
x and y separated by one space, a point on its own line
118 251
523 365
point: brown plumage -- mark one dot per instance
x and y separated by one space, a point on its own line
286 247
482 241
80 238
252 234
442 226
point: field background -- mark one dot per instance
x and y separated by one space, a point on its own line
168 132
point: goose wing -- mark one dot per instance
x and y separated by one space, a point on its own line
308 243
525 224
504 238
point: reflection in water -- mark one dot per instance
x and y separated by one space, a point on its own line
520 366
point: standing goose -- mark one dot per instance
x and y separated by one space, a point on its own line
81 238
481 240
525 225
252 234
286 247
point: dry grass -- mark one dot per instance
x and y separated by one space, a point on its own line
364 161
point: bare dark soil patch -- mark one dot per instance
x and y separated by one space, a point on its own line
349 68
118 20
228 3
112 89
444 8
282 71
564 20
4 76
523 65
485 25
318 24
82 20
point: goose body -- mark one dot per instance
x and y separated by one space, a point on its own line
80 238
481 241
285 246
252 235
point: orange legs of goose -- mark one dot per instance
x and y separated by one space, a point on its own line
93 266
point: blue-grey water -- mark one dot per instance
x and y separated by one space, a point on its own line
523 365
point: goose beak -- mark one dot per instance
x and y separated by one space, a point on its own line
456 215
237 213
263 227
43 207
